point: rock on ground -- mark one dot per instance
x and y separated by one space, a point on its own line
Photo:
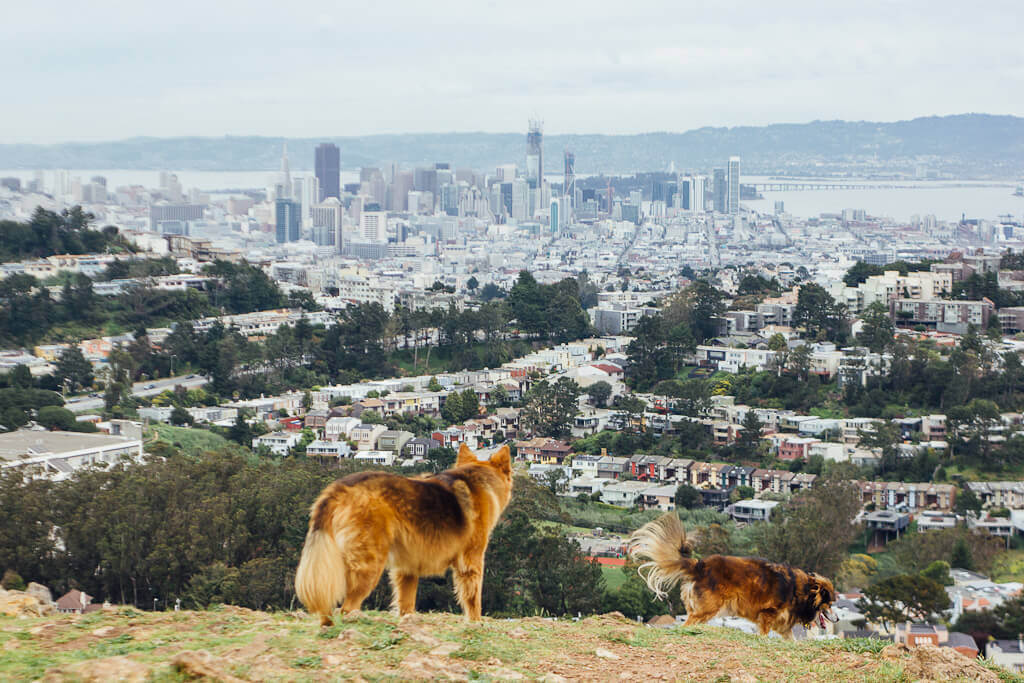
931 663
22 604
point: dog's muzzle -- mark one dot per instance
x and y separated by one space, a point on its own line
824 616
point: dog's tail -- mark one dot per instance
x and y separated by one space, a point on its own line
320 577
663 546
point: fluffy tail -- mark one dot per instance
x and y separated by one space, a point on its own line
666 551
320 578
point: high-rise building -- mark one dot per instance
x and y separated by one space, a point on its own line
373 227
734 185
696 202
328 170
720 190
283 186
288 216
569 179
327 222
520 208
535 162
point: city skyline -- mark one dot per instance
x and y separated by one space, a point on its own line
208 72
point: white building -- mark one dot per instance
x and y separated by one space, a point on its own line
279 443
55 455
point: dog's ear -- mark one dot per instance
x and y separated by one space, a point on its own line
465 456
502 460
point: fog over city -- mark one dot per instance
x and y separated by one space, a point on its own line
109 70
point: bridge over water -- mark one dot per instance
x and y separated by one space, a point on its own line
797 185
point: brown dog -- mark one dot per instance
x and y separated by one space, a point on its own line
772 595
369 521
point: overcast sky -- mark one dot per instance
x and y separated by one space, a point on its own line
108 70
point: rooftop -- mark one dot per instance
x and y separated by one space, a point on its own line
26 443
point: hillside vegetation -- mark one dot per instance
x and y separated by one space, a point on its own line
233 643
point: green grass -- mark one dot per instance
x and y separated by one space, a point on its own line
614 577
1009 566
191 441
288 646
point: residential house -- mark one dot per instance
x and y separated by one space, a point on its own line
659 498
911 497
366 435
328 449
279 443
586 485
452 437
930 520
393 440
999 494
1008 654
624 493
380 458
612 467
419 447
316 419
752 510
339 428
75 602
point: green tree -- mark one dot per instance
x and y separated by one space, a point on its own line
57 418
73 369
180 417
452 409
814 529
434 385
748 441
688 497
878 329
938 571
903 597
549 408
599 393
819 314
472 283
470 405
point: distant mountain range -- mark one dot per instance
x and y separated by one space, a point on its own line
967 145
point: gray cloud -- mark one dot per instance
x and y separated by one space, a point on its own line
107 70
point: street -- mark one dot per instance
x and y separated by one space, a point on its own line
87 403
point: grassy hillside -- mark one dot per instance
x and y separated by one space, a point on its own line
234 643
188 439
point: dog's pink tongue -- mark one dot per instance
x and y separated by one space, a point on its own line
821 620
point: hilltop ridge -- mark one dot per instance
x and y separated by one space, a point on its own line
232 644
966 145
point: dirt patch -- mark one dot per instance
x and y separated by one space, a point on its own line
930 663
99 671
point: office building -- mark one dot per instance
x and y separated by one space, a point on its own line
733 193
162 212
569 178
373 227
328 170
327 221
535 163
720 190
288 216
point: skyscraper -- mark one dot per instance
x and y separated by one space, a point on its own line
720 190
283 187
288 215
535 162
569 181
734 185
328 170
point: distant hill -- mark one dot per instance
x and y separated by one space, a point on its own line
967 145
